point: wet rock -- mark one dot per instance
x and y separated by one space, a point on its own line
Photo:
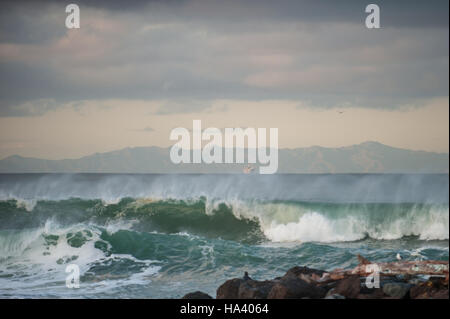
294 288
349 287
297 271
440 294
421 292
434 288
335 296
229 289
370 293
397 290
309 283
252 289
438 282
196 295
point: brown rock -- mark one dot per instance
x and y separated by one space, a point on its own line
440 294
297 271
434 288
349 287
439 282
229 289
376 293
252 289
294 288
430 289
196 295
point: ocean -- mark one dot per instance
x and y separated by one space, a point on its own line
162 236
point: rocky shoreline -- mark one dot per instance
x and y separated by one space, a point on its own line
397 280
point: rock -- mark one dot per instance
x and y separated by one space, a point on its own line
366 290
310 275
244 289
397 290
349 287
297 271
440 294
306 283
403 278
334 296
434 288
438 282
370 293
289 286
229 289
253 289
378 295
421 292
196 295
294 288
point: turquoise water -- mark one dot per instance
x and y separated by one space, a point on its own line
161 236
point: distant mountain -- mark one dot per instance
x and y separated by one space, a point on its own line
368 157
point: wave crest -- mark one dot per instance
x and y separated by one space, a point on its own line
242 221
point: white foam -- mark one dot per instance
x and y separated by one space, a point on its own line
282 222
312 227
35 265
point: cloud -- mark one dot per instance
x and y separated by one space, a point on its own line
29 108
183 106
191 52
146 129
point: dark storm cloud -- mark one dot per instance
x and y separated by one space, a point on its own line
409 13
315 51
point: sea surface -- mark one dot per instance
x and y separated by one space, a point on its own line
162 236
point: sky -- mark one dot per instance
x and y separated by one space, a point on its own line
136 69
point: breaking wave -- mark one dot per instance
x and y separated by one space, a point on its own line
242 221
163 235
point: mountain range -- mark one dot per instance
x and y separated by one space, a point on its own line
367 157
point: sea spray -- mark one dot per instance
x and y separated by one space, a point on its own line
161 236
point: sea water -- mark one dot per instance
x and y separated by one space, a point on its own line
162 236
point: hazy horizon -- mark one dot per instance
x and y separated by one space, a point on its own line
280 148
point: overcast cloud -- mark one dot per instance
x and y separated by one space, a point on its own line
317 52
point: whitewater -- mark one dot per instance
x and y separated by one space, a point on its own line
161 236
